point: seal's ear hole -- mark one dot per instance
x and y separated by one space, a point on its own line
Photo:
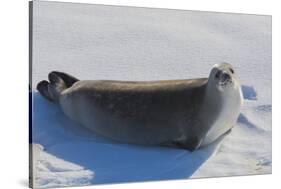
231 70
217 74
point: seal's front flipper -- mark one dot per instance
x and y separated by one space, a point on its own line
227 132
69 80
190 144
56 85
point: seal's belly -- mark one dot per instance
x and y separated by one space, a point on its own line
139 121
220 127
226 119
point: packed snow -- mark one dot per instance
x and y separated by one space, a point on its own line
127 43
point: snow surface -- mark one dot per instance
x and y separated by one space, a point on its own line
126 43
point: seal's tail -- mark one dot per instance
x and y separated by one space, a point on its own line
58 82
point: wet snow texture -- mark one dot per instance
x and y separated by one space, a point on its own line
125 43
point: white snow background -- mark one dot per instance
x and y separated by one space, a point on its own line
128 43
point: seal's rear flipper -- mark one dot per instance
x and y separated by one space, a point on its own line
42 87
68 79
52 90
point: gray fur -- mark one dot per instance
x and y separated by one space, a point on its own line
171 112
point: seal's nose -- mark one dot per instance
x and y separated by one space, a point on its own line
225 76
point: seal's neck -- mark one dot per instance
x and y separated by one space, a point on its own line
224 107
213 95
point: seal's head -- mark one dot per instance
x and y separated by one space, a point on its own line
224 99
223 76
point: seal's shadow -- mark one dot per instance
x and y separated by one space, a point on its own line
111 162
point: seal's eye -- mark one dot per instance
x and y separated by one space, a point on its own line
217 74
231 70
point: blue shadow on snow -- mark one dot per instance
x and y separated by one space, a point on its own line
111 162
